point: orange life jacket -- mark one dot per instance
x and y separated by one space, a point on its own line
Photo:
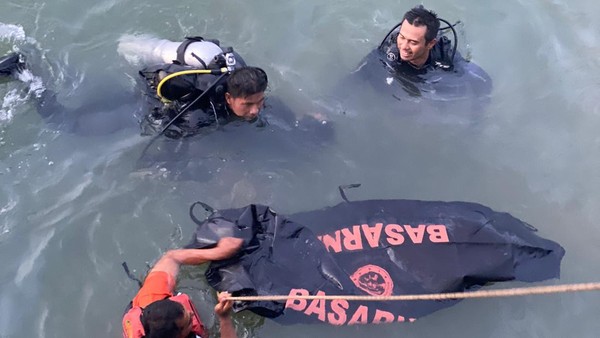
133 328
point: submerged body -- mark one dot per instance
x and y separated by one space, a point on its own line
373 247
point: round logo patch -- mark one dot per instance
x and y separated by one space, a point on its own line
373 280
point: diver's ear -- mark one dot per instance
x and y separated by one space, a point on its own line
431 43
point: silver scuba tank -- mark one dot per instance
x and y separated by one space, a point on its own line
148 50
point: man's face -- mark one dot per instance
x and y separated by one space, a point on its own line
246 107
411 44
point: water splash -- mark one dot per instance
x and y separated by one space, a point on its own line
15 35
12 33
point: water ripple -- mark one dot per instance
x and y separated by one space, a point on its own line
38 243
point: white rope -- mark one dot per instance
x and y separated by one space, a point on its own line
526 291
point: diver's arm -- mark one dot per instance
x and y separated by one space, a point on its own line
223 311
173 259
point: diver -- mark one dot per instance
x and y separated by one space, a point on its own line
418 62
157 311
200 85
416 47
195 84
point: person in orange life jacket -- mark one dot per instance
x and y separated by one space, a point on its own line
157 312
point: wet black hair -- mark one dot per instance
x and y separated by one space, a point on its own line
247 81
160 319
420 16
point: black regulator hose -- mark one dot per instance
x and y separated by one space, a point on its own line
192 103
389 33
453 33
208 89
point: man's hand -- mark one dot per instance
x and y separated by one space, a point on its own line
223 311
172 259
223 307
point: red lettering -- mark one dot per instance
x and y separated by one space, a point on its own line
352 240
296 304
393 231
401 319
383 317
361 316
416 235
332 243
317 306
437 233
338 316
372 234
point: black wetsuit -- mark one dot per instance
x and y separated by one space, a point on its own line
183 91
441 78
88 111
451 93
440 57
201 97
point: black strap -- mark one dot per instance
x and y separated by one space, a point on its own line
181 113
206 207
199 60
130 275
344 187
184 45
193 102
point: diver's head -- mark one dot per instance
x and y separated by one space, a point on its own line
166 318
245 94
417 35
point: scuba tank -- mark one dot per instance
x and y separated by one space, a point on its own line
196 53
180 69
147 50
181 75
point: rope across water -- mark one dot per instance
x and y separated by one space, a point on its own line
526 291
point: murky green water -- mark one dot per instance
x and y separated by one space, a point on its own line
73 207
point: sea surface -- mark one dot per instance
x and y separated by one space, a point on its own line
75 203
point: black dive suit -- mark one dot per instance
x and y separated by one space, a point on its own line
447 90
200 96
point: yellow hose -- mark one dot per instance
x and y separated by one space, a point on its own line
185 72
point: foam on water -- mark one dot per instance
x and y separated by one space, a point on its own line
15 35
11 32
15 97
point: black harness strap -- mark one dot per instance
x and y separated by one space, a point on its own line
130 275
206 207
184 45
342 189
